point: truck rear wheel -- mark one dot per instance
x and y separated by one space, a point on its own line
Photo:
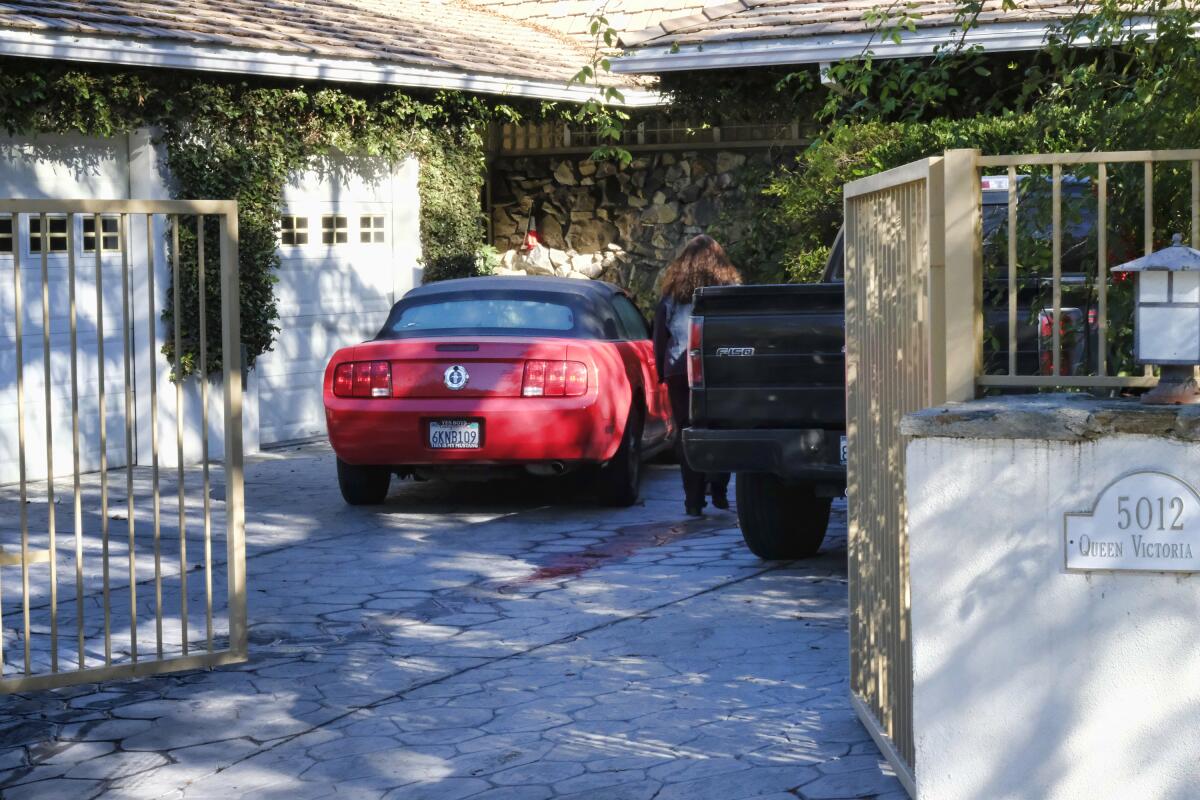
363 486
780 521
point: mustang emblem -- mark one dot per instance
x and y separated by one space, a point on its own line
456 377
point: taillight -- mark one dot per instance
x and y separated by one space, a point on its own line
343 380
533 384
554 379
577 379
381 379
695 361
363 379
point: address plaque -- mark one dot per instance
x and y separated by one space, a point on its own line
1142 522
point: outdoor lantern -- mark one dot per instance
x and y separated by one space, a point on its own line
1167 322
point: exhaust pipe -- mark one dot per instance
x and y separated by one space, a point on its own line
546 470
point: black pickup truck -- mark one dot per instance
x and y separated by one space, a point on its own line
768 397
769 403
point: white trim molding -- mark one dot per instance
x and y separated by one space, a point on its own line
993 37
139 52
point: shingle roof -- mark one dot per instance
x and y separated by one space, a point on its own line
573 16
756 20
444 34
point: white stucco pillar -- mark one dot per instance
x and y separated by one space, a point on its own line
1055 619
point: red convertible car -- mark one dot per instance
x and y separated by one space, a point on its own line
480 377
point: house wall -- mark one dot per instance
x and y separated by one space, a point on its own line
328 297
623 224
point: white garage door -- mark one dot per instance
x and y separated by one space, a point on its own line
52 167
349 248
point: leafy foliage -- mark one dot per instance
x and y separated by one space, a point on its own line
1136 85
602 111
242 139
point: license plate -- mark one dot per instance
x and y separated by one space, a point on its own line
454 435
845 450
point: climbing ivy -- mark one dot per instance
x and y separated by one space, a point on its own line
232 137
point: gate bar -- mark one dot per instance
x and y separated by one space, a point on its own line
1012 270
75 458
139 669
1102 268
152 332
1148 223
99 226
1056 264
126 335
49 444
201 269
18 316
183 594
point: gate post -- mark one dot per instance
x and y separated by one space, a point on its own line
962 343
235 511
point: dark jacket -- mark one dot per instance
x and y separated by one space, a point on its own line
671 322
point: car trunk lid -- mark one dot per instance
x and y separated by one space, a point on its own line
459 367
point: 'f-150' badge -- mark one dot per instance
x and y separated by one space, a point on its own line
735 351
456 377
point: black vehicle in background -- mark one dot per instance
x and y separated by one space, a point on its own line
769 403
1034 281
767 365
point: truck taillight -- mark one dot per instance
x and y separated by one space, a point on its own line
695 353
554 379
363 379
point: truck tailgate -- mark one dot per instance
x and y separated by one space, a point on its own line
773 357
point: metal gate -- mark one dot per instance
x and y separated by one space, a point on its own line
141 589
889 366
916 337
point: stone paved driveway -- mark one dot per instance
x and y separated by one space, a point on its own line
485 642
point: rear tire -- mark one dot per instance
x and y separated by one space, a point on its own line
620 480
363 486
780 521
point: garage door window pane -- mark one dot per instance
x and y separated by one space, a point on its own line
110 239
56 236
293 231
6 234
334 230
370 229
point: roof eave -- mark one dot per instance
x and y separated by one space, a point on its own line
166 54
995 37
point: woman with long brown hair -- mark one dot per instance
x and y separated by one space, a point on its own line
701 263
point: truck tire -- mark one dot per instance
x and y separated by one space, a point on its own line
619 482
780 521
363 486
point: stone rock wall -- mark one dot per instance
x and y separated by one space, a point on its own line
600 220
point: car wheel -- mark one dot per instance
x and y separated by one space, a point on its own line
620 480
780 521
363 486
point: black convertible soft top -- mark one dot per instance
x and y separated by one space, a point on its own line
590 302
596 289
